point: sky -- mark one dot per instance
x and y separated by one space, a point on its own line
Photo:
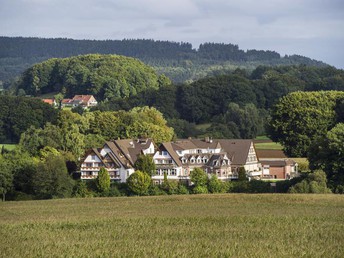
312 28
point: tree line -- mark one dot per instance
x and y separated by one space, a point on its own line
237 104
178 60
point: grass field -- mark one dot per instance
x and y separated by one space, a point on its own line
268 146
231 225
8 146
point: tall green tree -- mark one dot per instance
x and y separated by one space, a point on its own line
6 178
327 153
139 183
51 179
103 181
300 117
145 163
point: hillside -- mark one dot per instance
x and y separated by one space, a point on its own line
179 61
105 76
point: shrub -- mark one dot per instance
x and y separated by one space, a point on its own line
139 182
315 182
199 189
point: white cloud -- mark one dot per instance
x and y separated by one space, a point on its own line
289 26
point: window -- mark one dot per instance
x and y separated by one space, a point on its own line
93 157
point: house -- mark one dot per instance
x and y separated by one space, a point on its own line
84 101
51 102
118 157
176 160
279 168
220 157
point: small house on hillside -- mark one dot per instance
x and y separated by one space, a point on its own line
84 101
51 102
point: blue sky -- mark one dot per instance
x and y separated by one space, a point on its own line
313 28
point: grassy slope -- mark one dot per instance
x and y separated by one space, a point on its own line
238 225
8 146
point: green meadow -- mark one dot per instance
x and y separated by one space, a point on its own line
228 225
8 146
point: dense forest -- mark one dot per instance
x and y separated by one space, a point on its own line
233 105
104 76
177 60
237 104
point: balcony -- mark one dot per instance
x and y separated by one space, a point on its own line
255 173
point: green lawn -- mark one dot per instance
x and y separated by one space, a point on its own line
8 146
228 225
268 146
203 127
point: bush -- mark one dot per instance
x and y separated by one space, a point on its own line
258 186
240 187
199 189
80 190
215 185
315 182
156 190
139 182
182 189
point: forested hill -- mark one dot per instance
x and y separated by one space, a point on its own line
179 61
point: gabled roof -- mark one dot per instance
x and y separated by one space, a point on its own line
168 146
237 149
128 150
119 154
92 151
66 101
49 101
82 99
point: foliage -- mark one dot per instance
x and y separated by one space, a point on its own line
327 153
178 60
17 114
51 179
6 178
80 190
103 181
315 182
215 185
242 174
200 189
139 182
105 76
140 122
145 164
198 177
300 117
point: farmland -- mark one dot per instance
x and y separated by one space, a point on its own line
239 225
